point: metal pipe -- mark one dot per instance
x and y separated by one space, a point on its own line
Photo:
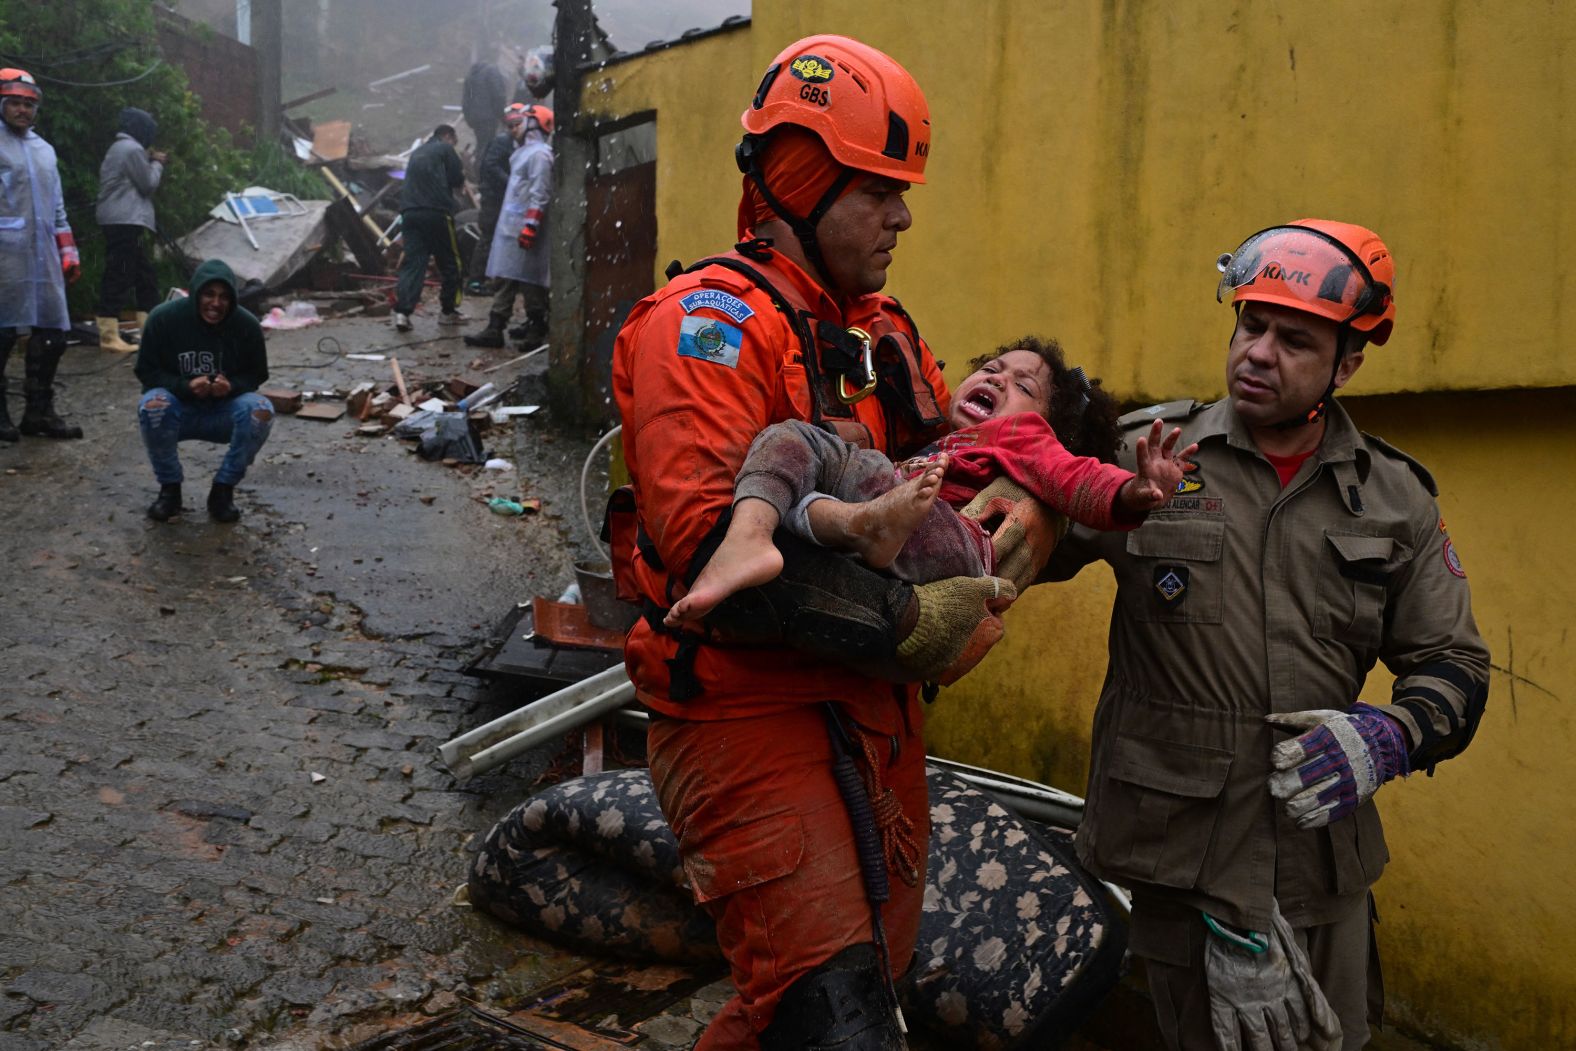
399 76
235 210
495 743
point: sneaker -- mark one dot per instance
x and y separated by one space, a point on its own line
451 317
401 322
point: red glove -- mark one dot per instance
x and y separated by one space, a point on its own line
70 258
527 238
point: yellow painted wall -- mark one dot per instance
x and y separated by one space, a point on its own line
1090 160
695 89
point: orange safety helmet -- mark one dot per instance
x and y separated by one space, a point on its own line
19 83
543 117
860 102
1335 270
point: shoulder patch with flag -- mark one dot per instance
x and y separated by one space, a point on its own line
710 340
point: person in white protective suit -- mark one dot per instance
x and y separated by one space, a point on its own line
520 249
38 258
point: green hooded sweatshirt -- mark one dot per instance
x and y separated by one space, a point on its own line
178 345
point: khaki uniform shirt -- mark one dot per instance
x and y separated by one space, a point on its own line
1241 598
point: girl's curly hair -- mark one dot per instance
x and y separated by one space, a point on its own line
1087 431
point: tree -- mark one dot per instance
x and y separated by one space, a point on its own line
92 58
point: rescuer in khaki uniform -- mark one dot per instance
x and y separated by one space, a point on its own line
1233 768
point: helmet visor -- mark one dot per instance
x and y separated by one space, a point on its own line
1300 268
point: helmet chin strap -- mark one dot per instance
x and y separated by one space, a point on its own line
1320 407
803 226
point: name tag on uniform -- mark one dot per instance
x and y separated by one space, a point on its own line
710 340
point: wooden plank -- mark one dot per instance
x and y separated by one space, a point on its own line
399 380
304 99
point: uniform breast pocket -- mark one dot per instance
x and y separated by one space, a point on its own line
1353 586
1176 566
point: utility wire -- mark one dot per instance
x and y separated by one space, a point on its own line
85 54
101 84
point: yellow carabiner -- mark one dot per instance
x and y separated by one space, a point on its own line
846 396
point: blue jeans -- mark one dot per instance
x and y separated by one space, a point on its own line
244 421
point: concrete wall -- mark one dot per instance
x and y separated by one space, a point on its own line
1090 161
221 71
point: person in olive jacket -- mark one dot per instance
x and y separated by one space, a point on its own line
201 362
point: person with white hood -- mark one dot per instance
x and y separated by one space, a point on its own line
520 250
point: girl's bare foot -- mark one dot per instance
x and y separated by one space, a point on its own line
745 558
876 530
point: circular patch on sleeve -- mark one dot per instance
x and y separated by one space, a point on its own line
1453 560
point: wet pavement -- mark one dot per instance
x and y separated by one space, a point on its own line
224 819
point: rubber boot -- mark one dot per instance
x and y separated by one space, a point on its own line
221 503
168 505
109 336
8 431
38 386
492 335
533 333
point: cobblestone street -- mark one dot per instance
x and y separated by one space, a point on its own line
224 819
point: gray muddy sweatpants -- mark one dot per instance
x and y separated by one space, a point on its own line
790 465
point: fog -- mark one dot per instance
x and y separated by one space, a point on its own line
348 44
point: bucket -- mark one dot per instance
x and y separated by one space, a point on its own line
603 607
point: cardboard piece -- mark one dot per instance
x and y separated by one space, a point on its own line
326 411
331 140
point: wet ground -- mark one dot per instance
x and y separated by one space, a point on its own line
223 816
224 819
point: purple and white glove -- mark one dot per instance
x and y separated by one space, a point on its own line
1337 763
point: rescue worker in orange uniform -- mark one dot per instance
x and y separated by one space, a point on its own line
751 762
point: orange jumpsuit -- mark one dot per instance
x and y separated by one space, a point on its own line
743 770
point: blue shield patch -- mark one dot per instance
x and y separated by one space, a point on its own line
718 300
710 340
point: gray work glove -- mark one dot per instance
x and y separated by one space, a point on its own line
1336 763
1265 1000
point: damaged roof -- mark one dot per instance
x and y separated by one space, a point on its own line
727 25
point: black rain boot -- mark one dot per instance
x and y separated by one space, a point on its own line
221 503
38 386
533 333
492 335
8 431
168 505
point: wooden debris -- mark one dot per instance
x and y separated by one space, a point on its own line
284 400
326 411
